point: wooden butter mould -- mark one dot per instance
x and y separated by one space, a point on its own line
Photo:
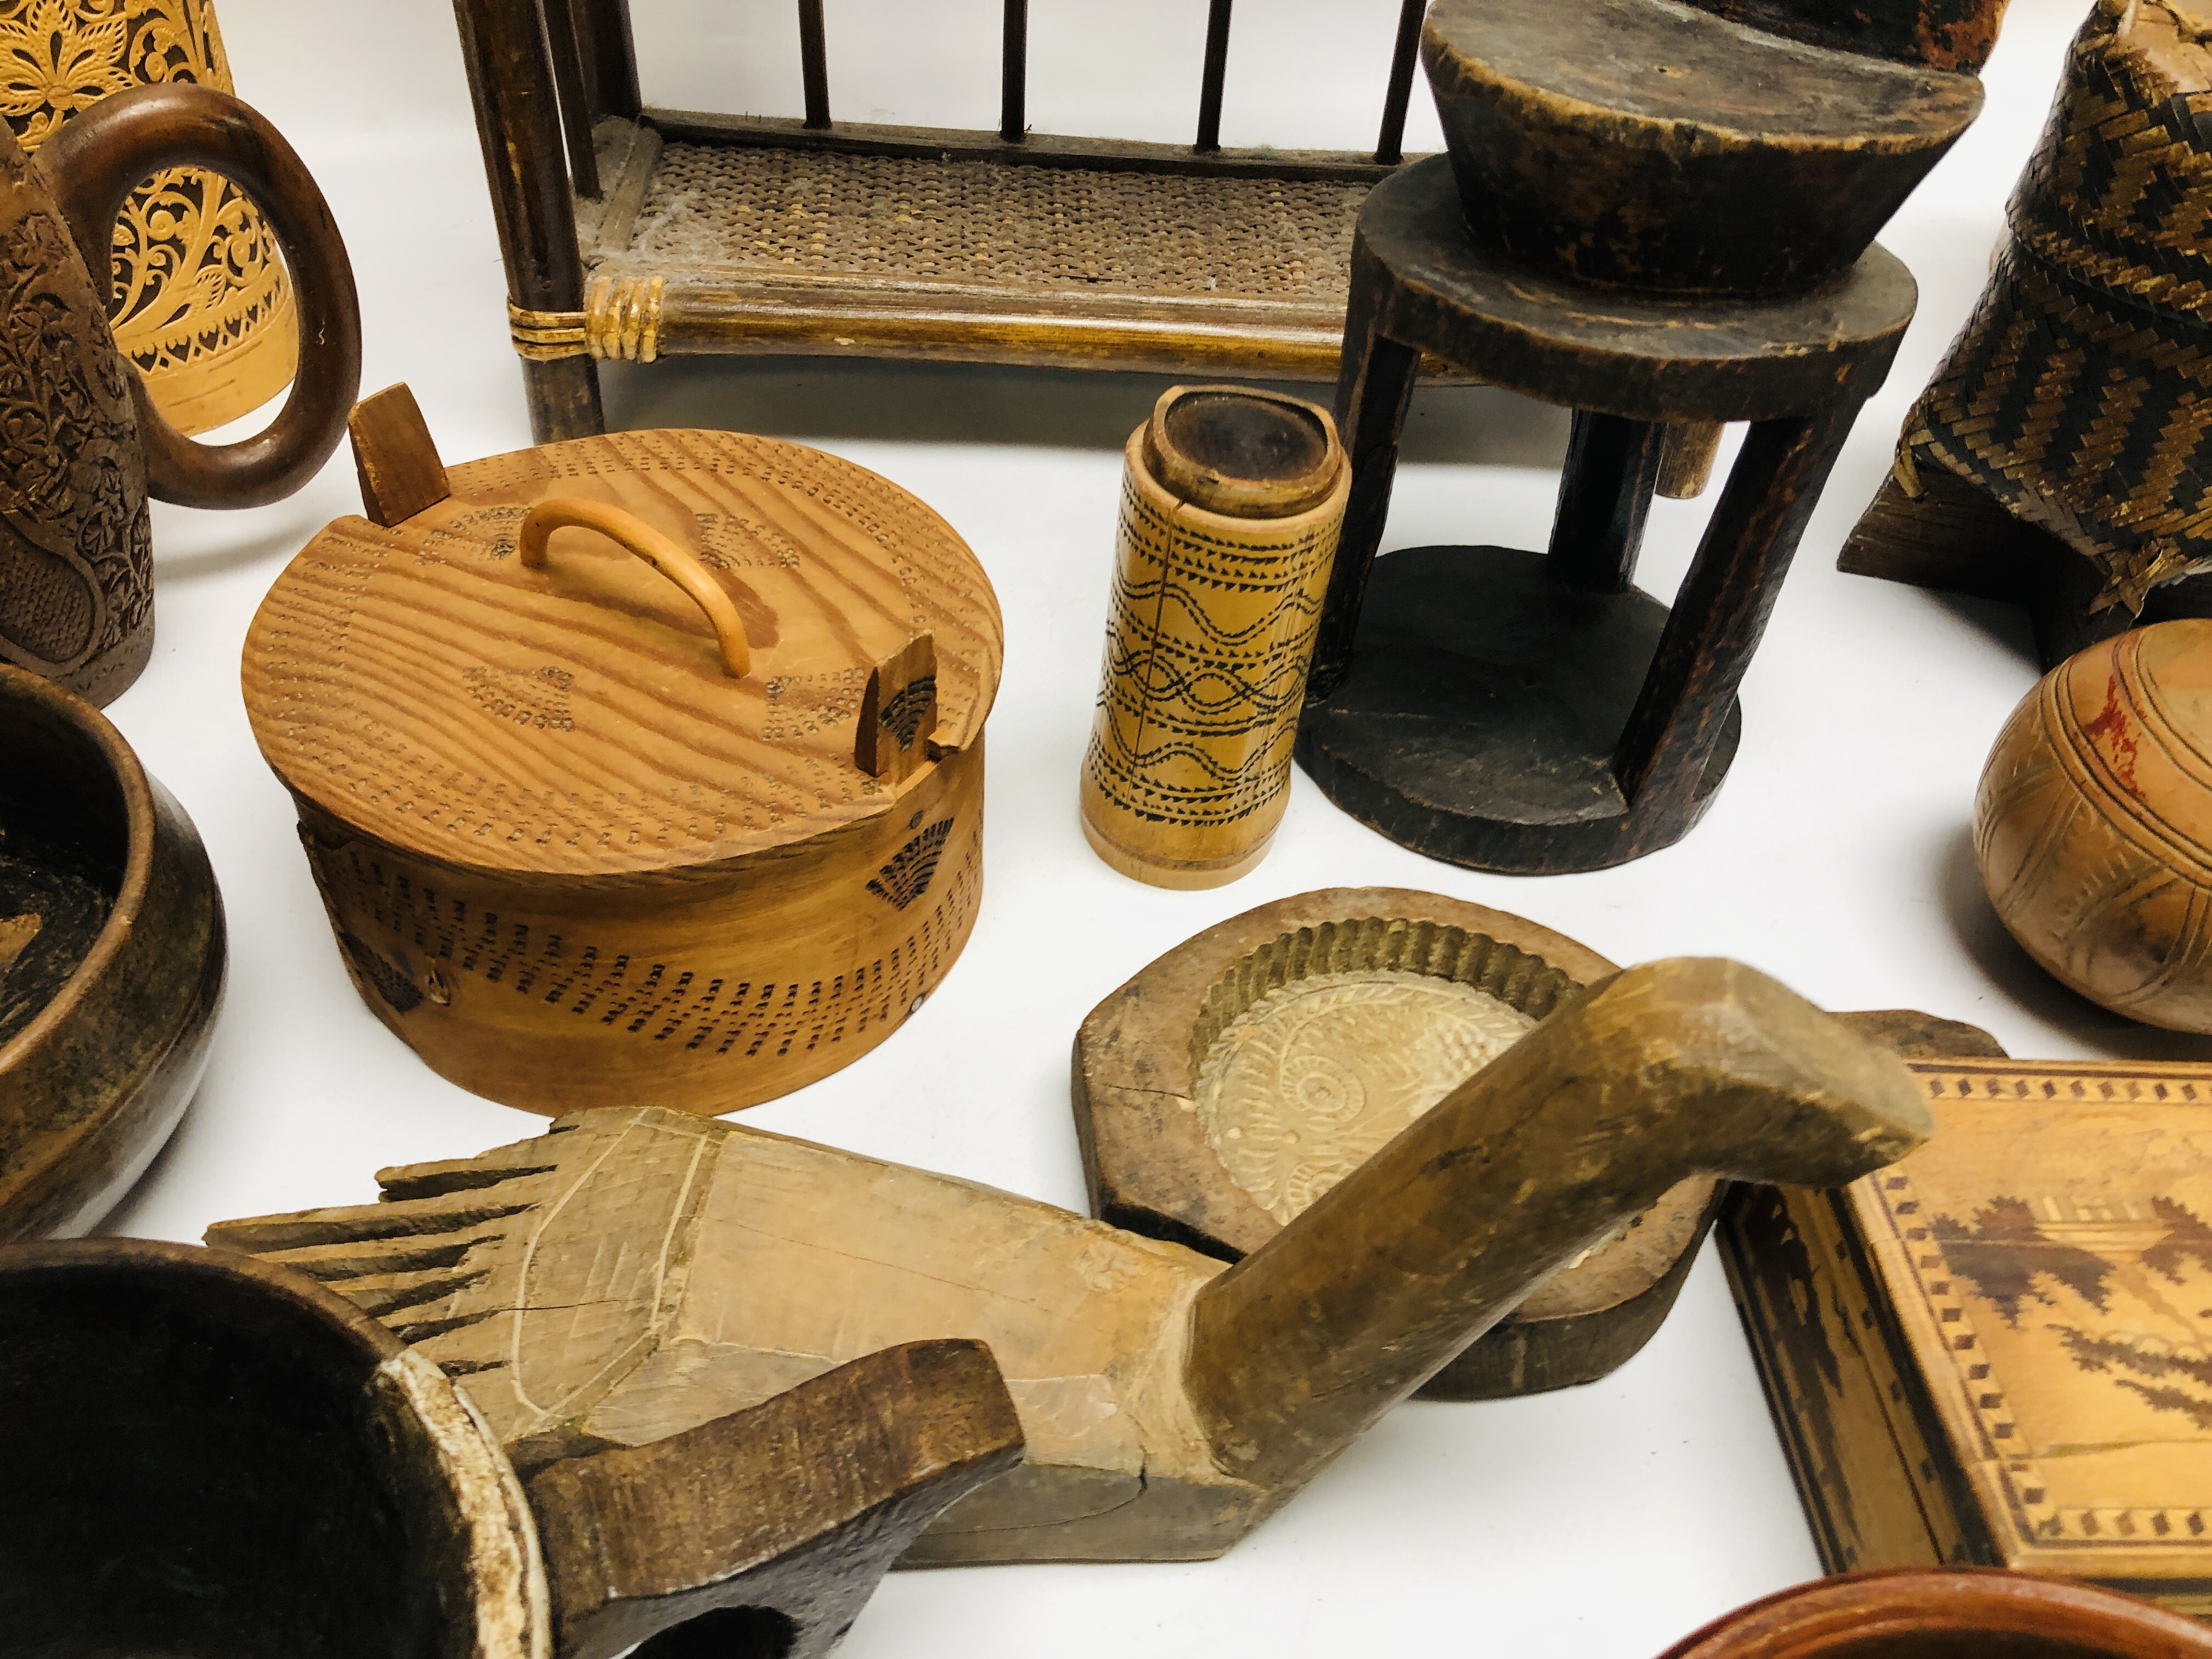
1999 1351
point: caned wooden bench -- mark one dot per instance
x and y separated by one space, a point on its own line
634 233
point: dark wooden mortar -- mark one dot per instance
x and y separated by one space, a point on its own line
111 959
1640 144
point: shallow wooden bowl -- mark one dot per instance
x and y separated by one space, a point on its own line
1645 144
1947 1613
1229 1084
111 961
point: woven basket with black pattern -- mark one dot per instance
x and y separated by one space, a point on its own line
2079 392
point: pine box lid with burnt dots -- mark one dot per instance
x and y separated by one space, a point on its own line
656 759
1241 1076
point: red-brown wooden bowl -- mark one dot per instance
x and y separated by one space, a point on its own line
1958 1613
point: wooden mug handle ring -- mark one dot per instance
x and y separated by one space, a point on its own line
99 157
671 558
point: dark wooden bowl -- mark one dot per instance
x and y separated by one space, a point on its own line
1963 1612
111 961
211 1458
1635 143
205 1456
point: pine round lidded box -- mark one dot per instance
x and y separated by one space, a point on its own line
645 769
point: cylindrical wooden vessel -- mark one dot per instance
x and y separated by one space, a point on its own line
199 301
570 857
2092 826
111 961
1230 504
1956 1613
213 1457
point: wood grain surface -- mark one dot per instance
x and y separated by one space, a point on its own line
2093 825
1230 1083
569 857
635 1273
1650 146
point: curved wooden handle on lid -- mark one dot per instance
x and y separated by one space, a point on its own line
672 560
95 161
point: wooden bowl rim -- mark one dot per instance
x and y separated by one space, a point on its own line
509 1611
1229 942
123 766
1806 1620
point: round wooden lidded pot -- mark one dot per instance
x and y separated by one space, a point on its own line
2093 823
584 843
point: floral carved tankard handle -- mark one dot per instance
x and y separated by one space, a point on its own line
93 162
671 558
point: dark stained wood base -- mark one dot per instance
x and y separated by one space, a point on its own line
1956 539
1519 1357
1481 710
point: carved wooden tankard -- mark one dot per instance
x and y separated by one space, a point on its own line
82 445
200 303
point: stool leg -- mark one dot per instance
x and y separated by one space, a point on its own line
1605 494
519 125
1373 389
1721 612
603 34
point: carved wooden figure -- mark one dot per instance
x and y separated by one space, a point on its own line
2054 459
1227 1086
575 737
1169 1401
1661 216
111 961
230 1462
1916 1614
1992 1353
2094 819
87 444
1230 501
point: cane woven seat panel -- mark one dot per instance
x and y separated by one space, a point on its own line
2078 394
749 248
791 212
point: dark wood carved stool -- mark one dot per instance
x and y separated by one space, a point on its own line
1537 712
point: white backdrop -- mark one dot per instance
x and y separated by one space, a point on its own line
1600 1524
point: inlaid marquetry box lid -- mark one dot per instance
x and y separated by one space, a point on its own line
1999 1350
421 684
